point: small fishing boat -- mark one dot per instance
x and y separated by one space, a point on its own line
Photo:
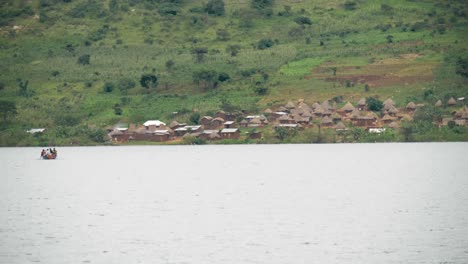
49 156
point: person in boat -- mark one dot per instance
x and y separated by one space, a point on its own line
54 152
43 153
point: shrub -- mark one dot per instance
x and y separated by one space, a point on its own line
265 44
108 87
233 50
462 67
223 77
303 20
84 59
374 104
350 5
148 81
215 7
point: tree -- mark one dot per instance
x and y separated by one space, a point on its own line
233 50
350 5
194 118
389 39
199 54
374 104
148 81
215 7
222 77
117 109
125 84
23 88
208 78
84 59
8 109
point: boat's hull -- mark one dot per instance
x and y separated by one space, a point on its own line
49 156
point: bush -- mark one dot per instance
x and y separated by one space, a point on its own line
223 77
215 7
462 67
148 81
108 87
261 90
265 44
126 84
350 5
84 59
303 20
374 104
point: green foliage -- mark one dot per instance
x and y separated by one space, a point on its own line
350 5
427 113
227 106
302 20
191 140
374 104
262 4
462 67
84 59
194 118
265 44
233 50
222 77
125 84
215 7
207 78
282 132
7 109
261 91
199 54
24 88
148 81
108 87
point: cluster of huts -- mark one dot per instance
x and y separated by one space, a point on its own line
298 115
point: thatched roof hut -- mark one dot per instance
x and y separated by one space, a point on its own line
327 120
336 117
389 101
438 103
326 105
340 126
290 105
362 102
451 101
387 118
282 109
319 110
174 124
394 125
348 107
315 105
268 111
411 106
304 107
392 110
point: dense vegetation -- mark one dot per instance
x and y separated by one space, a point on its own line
77 66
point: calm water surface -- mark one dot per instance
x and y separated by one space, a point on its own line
360 203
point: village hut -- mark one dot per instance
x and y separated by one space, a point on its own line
304 107
282 109
362 104
286 119
302 120
174 124
217 122
118 136
267 111
315 105
347 108
336 117
411 106
243 123
230 133
327 121
152 125
387 119
256 122
206 121
340 126
229 124
290 105
318 111
452 102
307 114
264 120
392 111
221 114
326 105
438 103
406 118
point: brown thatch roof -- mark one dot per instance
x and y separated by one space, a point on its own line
452 101
326 120
304 107
282 109
290 105
355 113
386 117
336 116
173 124
348 107
285 117
392 110
315 105
389 101
438 103
255 121
411 106
115 132
307 114
218 119
319 110
243 122
362 102
340 125
268 111
326 105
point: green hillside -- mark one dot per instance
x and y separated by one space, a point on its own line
78 66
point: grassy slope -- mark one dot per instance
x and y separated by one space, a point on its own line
139 40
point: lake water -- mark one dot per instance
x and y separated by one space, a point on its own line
343 203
